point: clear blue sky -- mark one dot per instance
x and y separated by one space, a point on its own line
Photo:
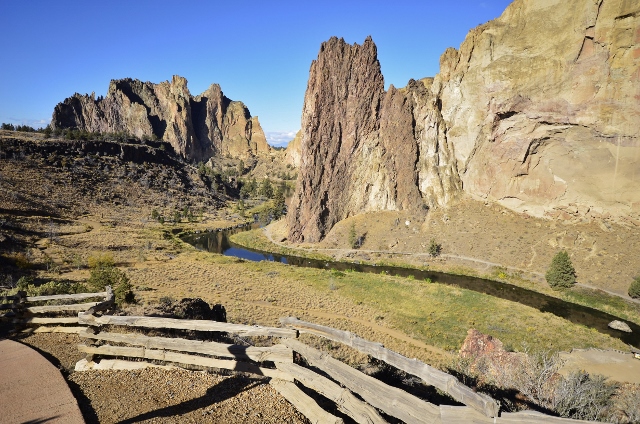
258 51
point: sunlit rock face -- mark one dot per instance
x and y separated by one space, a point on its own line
542 108
539 110
197 127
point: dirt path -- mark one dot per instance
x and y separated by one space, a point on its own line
618 366
32 388
339 253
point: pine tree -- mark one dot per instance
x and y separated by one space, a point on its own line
561 273
278 203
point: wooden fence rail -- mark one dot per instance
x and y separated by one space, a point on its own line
431 376
23 313
185 324
356 395
277 353
393 401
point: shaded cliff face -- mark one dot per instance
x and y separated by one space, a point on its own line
197 127
539 111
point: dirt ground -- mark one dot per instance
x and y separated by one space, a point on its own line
618 366
158 395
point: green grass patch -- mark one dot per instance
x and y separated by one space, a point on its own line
440 315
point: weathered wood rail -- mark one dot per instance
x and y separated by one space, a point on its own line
171 350
23 313
431 376
355 394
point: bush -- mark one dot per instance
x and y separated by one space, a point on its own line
353 237
435 248
634 288
49 288
584 397
561 273
109 275
102 260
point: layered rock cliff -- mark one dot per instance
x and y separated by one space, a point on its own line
538 110
197 127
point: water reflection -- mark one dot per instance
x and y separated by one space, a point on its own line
218 242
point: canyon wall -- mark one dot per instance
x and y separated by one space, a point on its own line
539 110
197 127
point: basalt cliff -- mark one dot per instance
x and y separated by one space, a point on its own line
538 110
197 127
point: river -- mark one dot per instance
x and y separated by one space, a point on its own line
218 242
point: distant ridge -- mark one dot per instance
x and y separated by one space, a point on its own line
197 127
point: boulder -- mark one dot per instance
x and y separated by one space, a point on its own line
620 326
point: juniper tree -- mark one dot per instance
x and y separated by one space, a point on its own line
561 273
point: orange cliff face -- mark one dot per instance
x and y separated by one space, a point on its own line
536 111
198 127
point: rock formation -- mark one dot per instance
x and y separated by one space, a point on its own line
292 152
197 127
538 110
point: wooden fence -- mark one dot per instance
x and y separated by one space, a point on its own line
355 394
23 313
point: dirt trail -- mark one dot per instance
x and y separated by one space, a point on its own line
619 366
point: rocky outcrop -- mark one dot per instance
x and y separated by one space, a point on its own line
542 107
197 127
364 149
538 110
292 152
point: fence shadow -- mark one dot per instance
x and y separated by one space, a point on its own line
226 389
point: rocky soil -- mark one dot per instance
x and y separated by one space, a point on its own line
163 396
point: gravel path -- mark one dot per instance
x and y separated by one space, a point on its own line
163 396
179 396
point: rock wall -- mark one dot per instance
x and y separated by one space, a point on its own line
197 127
542 106
538 110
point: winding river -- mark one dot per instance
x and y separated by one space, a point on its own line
218 242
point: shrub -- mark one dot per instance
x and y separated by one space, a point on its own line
561 273
584 397
634 288
353 237
101 260
109 275
23 283
435 248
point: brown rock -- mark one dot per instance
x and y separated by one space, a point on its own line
364 149
537 110
487 354
197 127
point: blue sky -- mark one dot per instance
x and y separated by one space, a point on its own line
258 51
